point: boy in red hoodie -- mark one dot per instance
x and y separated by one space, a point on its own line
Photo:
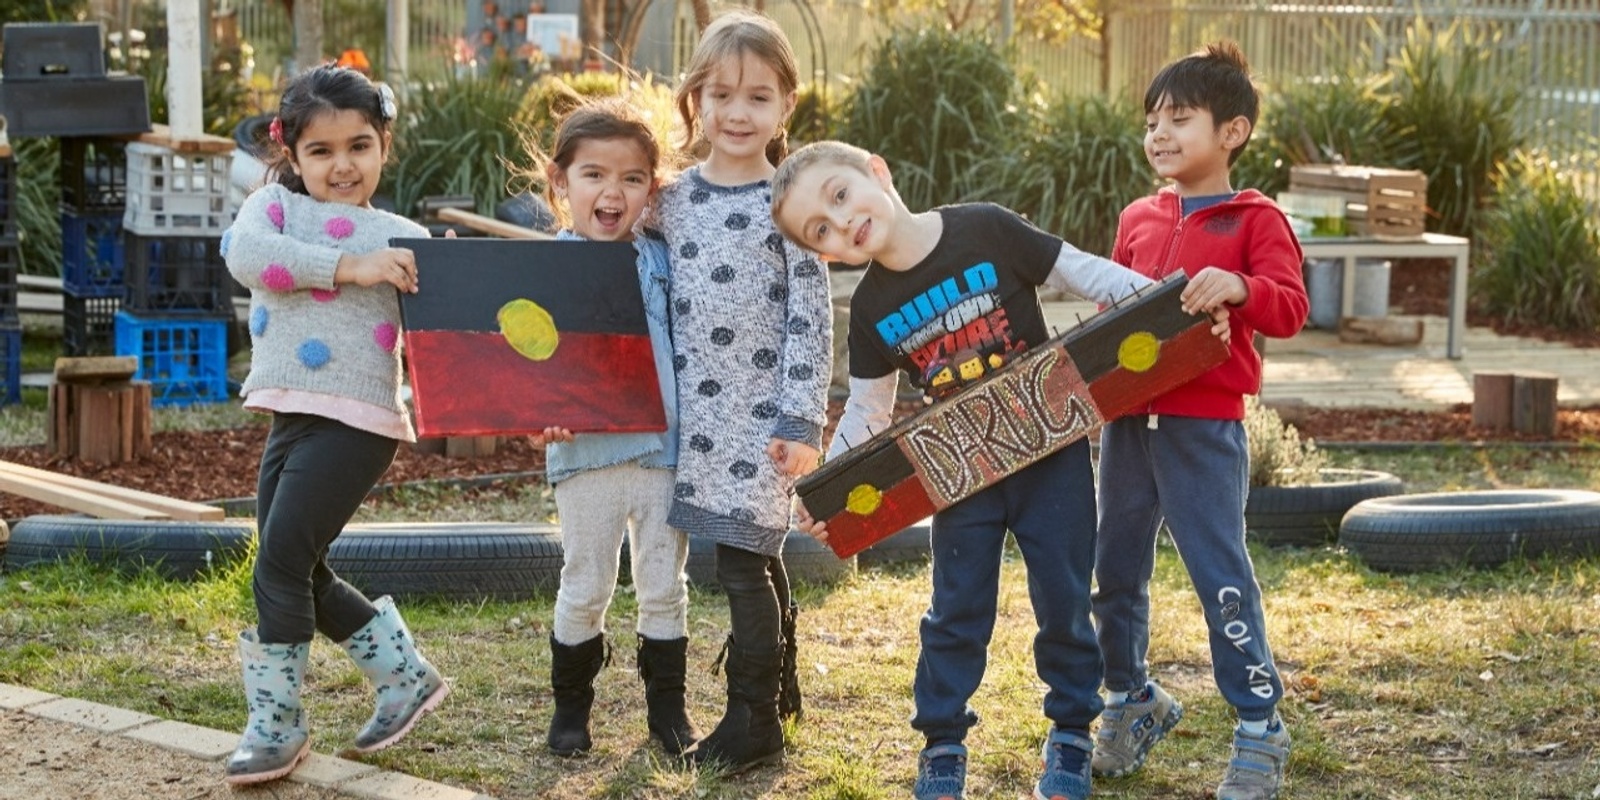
1184 459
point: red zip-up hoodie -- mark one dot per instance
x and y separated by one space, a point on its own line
1248 235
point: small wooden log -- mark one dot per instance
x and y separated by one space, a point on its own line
1491 400
1533 403
1380 330
95 369
100 422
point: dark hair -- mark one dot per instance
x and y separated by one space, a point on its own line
317 91
1216 79
732 35
596 119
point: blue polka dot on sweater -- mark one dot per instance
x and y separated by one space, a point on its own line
258 320
227 239
313 353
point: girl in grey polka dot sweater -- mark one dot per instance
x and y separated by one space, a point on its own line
325 362
752 340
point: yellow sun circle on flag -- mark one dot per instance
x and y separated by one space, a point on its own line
864 499
528 328
1138 351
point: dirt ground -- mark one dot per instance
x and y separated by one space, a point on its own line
42 758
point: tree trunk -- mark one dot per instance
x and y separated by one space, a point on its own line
307 34
702 14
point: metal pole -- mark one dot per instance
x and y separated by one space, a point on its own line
185 107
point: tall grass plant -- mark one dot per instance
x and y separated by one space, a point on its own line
1541 246
933 103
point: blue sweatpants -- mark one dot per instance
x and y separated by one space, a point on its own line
1195 474
1049 508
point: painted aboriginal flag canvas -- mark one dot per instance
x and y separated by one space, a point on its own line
514 336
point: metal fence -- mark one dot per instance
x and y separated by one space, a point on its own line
1551 46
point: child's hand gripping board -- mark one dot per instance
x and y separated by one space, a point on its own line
1053 395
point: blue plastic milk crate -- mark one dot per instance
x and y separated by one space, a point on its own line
92 253
10 363
185 359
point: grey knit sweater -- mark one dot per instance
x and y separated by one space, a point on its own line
752 339
306 333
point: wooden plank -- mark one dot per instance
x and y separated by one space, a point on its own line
95 411
95 369
162 506
161 135
82 501
143 428
490 225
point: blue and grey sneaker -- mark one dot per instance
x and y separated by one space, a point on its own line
1255 772
1129 729
941 773
1066 767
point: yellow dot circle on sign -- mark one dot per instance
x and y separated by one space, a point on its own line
528 328
864 499
1138 351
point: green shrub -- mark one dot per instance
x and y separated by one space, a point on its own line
1339 120
1454 113
458 136
816 114
933 102
1278 456
1074 173
1540 255
38 163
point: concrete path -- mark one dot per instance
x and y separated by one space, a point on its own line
56 747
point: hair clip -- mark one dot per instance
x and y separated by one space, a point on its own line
386 103
275 130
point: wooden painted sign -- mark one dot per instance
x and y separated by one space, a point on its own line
1053 395
514 336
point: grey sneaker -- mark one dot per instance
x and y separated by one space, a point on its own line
1255 772
1128 731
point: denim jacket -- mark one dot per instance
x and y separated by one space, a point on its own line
652 450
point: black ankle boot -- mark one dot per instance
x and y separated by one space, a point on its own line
749 734
661 666
789 678
572 672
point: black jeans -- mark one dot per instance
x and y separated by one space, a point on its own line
315 472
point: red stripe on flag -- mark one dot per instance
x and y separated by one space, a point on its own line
467 383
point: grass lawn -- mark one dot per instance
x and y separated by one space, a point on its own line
1452 684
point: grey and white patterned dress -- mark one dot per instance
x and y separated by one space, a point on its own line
752 334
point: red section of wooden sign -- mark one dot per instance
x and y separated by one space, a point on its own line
850 533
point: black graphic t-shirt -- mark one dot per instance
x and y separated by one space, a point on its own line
964 311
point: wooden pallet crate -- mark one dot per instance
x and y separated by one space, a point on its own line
1379 202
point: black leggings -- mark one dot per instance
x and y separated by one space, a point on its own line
757 587
315 472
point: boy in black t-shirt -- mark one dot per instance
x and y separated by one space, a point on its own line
949 295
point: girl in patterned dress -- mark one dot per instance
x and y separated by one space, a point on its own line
325 363
752 345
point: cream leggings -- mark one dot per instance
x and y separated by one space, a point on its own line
597 509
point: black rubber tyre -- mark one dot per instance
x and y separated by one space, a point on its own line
176 549
912 545
1308 515
1409 533
804 558
453 560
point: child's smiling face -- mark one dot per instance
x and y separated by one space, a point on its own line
606 186
839 210
339 155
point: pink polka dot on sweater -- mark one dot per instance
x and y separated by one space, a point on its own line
340 227
277 278
275 213
386 334
324 295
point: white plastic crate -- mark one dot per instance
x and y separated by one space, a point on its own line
176 194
